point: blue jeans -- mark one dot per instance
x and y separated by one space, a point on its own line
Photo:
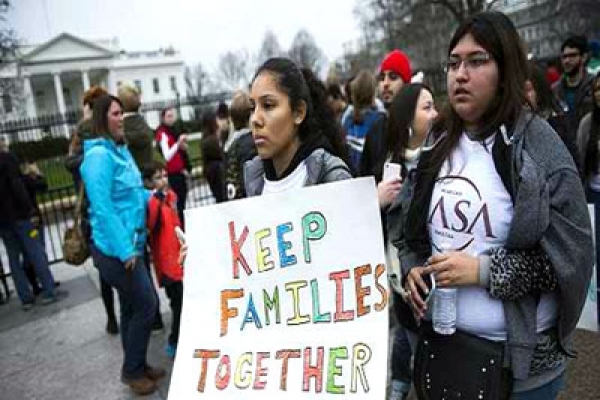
20 238
401 356
547 392
138 308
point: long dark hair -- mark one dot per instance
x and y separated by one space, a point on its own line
100 114
546 101
591 153
401 116
301 85
496 34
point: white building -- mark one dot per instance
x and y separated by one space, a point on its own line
55 74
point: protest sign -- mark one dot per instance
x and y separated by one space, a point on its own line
285 296
589 315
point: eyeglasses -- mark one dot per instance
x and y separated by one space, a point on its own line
569 55
472 62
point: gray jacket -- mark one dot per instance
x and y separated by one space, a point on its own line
550 229
321 167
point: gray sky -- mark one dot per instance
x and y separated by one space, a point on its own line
200 29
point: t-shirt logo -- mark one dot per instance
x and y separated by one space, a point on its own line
457 213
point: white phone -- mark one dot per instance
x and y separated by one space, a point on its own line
391 171
180 235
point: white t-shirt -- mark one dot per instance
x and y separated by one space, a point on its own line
471 211
295 180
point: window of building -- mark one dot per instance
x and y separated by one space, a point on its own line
138 85
7 103
173 84
156 86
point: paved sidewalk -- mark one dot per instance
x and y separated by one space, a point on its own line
61 351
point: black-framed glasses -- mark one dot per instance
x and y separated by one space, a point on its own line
472 62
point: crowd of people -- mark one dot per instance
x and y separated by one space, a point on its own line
486 194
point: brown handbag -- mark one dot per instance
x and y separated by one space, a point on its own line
75 245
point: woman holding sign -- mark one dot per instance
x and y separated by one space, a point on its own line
497 216
297 138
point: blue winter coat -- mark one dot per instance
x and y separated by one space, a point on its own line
117 199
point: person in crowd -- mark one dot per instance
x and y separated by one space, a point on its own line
138 134
35 183
336 100
118 219
294 131
540 99
363 117
242 147
588 142
173 147
394 72
212 155
574 89
20 234
410 116
224 125
73 162
522 270
139 137
165 246
82 132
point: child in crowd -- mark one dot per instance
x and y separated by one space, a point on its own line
164 244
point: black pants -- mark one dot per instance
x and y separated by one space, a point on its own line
174 291
214 177
178 183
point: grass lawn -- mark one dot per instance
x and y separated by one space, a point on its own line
58 176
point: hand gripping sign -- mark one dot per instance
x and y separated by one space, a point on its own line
285 296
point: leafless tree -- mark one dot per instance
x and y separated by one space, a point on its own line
305 52
235 69
270 48
12 95
197 81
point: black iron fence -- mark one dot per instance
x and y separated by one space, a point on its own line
45 140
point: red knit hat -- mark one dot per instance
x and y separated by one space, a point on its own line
398 62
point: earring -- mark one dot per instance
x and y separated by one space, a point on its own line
410 132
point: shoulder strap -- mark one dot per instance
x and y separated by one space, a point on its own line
79 203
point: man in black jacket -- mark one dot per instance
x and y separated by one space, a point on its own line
20 235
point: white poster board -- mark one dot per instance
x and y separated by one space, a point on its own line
285 297
589 315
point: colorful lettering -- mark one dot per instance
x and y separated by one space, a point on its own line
285 355
243 380
251 315
314 227
226 312
334 370
262 252
341 315
361 291
222 380
205 355
313 372
379 272
272 303
260 371
317 316
294 289
236 251
285 259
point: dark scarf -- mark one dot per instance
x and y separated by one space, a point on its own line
306 149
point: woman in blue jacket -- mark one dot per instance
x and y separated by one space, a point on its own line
117 216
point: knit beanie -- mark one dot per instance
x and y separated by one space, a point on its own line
398 62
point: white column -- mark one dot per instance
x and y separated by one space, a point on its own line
59 93
29 97
112 82
85 77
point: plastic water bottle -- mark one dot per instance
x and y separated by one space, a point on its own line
444 307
